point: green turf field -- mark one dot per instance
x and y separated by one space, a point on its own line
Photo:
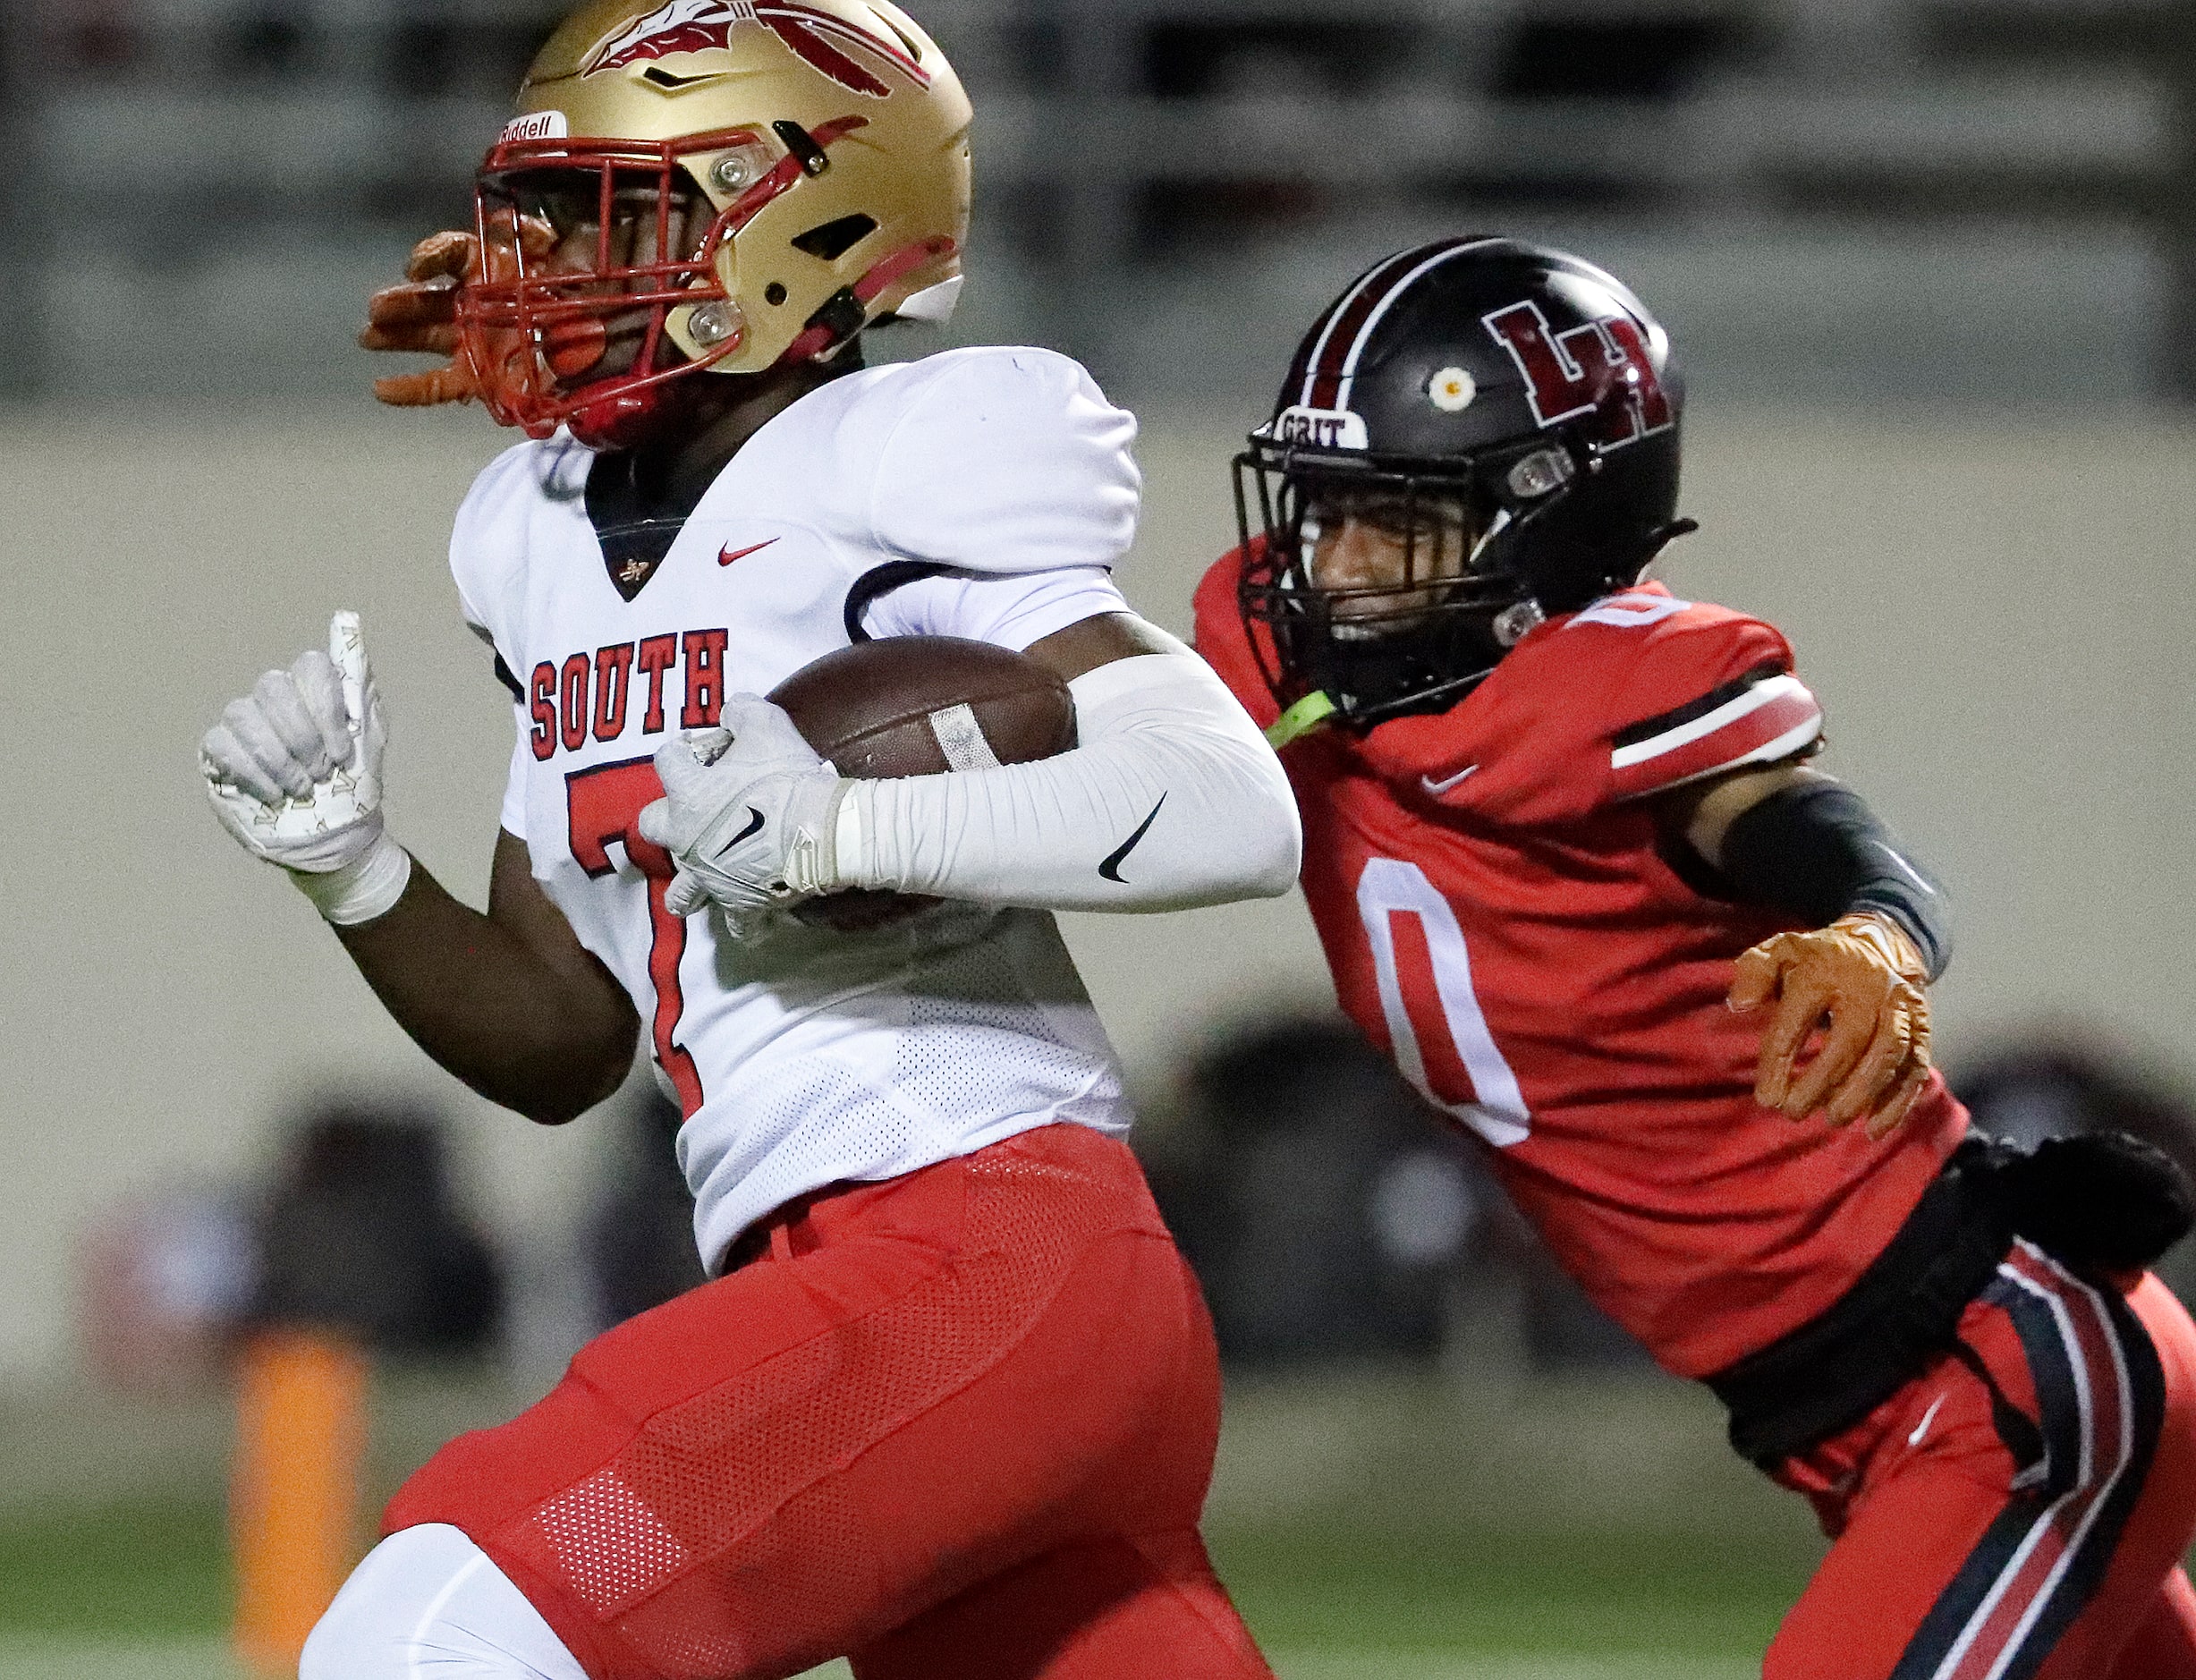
1493 1595
1368 1526
143 1588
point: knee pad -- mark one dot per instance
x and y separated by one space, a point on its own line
428 1604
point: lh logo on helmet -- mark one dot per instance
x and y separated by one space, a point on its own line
696 26
1571 374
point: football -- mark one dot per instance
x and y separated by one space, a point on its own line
921 706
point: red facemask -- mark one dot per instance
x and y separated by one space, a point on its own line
588 245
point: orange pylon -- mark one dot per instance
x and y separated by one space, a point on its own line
293 1488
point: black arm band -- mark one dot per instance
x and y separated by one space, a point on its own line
1817 853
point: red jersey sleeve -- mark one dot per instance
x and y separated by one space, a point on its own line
1707 691
1638 693
1224 639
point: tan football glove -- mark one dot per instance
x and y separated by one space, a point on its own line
419 315
1859 981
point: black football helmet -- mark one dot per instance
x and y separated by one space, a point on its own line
1518 397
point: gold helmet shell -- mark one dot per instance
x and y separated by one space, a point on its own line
826 142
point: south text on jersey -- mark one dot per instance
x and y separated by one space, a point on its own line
596 694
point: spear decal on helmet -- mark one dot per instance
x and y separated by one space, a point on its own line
684 26
804 28
696 26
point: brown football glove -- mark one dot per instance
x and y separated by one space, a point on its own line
419 315
1860 982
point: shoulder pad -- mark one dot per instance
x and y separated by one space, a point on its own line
1709 690
1638 693
1000 461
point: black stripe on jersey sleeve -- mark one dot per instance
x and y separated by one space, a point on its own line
503 675
873 585
1632 734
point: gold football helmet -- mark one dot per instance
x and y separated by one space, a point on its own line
709 185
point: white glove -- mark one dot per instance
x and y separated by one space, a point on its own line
294 773
749 814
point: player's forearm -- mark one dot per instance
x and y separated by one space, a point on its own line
547 1040
1814 850
1172 800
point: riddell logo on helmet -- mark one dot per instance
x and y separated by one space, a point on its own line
533 126
1571 374
698 26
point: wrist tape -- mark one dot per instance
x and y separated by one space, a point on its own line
364 888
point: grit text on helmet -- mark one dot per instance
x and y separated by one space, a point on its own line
1321 429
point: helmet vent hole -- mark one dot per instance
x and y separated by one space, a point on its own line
834 240
663 78
773 293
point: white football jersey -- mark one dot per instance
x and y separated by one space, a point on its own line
806 1056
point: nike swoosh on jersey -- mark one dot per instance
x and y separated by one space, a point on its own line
754 823
728 554
1111 867
1447 783
1928 1418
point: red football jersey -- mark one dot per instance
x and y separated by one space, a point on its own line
1499 918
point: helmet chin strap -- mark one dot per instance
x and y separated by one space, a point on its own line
1520 618
622 420
1495 528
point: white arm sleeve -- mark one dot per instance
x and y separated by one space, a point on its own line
1172 800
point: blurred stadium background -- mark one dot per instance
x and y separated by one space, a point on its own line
1931 268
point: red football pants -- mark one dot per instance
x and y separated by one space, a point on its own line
959 1423
2019 1511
